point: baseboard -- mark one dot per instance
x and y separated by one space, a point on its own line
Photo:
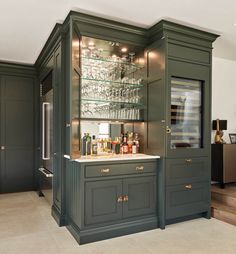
186 218
111 231
60 219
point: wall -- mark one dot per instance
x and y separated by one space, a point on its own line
224 93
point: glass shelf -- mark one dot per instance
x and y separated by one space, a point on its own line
100 101
105 60
110 120
135 85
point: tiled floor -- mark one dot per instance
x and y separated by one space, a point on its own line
27 227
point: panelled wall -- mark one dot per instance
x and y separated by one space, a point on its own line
18 127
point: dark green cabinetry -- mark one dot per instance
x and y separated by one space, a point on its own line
141 193
176 127
187 199
114 204
179 71
101 201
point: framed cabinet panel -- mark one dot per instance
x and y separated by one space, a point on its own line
103 201
139 196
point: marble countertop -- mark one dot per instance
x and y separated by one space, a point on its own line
118 157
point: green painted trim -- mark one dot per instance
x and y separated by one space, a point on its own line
16 69
50 43
111 231
106 23
167 26
60 219
106 29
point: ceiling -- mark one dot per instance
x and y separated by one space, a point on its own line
26 24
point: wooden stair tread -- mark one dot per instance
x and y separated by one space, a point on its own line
219 206
229 190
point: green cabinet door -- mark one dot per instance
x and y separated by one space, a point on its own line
188 109
16 133
102 203
139 196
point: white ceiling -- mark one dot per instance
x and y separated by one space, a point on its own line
26 24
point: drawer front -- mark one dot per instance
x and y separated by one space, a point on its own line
179 171
120 169
187 199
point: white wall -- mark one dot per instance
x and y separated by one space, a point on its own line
224 93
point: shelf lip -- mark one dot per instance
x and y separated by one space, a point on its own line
115 62
118 121
115 102
110 81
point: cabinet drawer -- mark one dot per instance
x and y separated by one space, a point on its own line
120 169
187 199
179 171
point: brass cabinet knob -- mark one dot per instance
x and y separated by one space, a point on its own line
140 168
188 160
125 198
168 130
120 199
2 147
188 186
105 170
68 125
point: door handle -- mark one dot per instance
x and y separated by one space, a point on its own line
168 130
45 172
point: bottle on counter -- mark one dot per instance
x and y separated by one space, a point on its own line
94 146
130 141
88 145
125 145
83 144
134 148
136 140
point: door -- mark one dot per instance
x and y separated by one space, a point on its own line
139 196
103 201
73 48
17 134
188 109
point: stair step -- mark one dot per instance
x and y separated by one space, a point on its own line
224 199
223 213
229 190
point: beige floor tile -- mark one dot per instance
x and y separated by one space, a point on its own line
26 227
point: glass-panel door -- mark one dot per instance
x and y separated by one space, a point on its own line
186 113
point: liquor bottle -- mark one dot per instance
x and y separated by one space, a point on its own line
94 146
130 141
134 148
136 140
88 144
125 145
83 144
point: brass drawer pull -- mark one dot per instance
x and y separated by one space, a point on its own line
140 168
188 160
120 199
125 198
188 186
105 170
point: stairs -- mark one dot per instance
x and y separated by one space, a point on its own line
223 205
